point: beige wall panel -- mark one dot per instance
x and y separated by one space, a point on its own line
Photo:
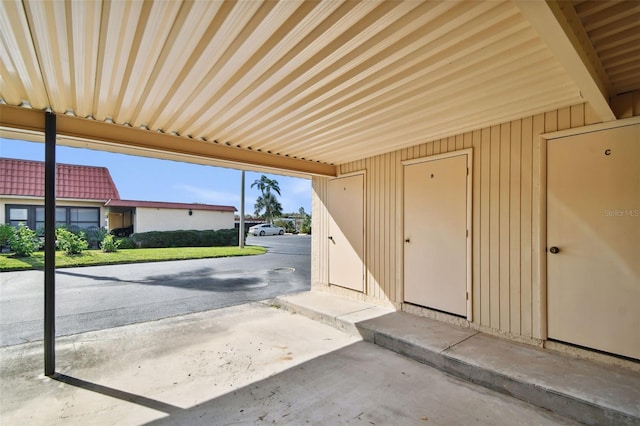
494 228
538 319
526 223
551 121
507 210
319 226
475 139
398 274
515 216
564 118
484 254
504 259
577 115
370 224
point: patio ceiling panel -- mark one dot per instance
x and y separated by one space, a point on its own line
20 80
615 33
321 81
321 67
383 59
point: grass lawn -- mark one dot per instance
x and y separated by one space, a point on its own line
97 257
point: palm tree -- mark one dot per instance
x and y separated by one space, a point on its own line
267 201
270 204
265 185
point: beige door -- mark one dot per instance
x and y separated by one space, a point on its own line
436 213
346 232
115 221
593 239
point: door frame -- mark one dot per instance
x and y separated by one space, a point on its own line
541 332
365 281
468 152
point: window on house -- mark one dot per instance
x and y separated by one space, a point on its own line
84 218
18 215
70 217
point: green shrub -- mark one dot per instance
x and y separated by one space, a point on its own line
305 227
96 236
6 231
288 225
71 243
24 241
189 238
126 243
109 244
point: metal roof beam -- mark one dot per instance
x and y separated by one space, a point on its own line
31 120
568 41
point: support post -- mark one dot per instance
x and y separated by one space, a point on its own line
241 229
49 244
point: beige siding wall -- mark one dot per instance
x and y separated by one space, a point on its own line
506 218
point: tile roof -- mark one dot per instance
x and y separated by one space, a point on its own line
165 205
26 178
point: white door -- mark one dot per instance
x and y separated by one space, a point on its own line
593 238
436 220
346 232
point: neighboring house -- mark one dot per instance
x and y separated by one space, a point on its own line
81 192
159 216
86 198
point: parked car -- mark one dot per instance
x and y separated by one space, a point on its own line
266 229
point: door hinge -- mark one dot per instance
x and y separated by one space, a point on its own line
467 295
467 233
467 171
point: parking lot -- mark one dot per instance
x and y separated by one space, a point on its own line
101 297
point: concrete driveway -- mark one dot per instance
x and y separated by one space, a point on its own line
96 298
245 365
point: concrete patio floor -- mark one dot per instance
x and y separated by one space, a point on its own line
249 364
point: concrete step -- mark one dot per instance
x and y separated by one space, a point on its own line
587 391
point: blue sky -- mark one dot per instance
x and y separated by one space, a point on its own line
149 179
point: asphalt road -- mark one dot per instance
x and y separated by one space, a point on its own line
101 297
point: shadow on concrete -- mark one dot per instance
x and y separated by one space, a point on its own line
115 393
341 387
200 279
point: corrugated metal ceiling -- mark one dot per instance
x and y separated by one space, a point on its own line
323 81
614 30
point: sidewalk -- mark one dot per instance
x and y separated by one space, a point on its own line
250 364
587 391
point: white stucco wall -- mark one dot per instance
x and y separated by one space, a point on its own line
156 219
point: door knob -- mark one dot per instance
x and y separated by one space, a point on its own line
554 250
407 240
